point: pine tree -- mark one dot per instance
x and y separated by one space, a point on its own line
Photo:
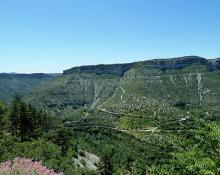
1 120
106 166
62 139
24 122
21 119
35 122
14 115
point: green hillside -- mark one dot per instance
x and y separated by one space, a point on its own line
79 90
11 84
147 95
170 84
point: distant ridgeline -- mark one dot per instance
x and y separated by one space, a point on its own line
21 84
162 64
31 76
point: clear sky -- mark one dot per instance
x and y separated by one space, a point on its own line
52 35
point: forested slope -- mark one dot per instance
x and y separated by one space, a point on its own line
12 84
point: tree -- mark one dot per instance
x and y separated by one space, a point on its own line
1 120
197 154
26 121
62 138
106 167
14 115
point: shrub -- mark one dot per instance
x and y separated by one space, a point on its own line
24 166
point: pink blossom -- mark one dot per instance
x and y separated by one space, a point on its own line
25 167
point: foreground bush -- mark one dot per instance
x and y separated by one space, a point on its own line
22 166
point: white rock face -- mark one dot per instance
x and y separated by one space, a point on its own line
199 84
97 89
172 80
86 160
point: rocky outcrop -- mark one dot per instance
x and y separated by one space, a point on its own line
216 63
161 64
177 63
86 160
115 69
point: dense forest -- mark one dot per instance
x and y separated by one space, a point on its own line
32 133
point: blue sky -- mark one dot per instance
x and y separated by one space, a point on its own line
53 35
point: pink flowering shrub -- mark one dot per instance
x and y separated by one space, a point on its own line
22 166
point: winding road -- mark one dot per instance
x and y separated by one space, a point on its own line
68 125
